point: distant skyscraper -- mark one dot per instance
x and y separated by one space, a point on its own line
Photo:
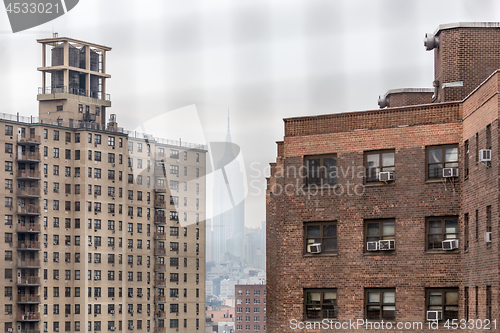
226 229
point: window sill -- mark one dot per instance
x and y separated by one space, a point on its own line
442 252
380 253
375 184
310 255
440 180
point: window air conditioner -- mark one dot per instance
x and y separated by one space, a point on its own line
315 248
90 243
46 259
9 329
450 172
434 315
112 311
57 277
385 176
113 328
487 237
450 244
372 246
56 260
386 244
485 155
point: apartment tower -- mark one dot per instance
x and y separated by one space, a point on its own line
104 228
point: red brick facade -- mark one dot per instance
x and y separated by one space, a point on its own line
410 200
250 302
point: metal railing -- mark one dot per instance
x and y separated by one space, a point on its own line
27 173
73 91
28 280
160 235
160 251
28 263
160 267
28 191
28 210
160 203
28 245
28 155
29 138
20 227
28 316
101 127
28 298
160 219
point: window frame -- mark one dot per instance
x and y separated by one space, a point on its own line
380 303
443 232
380 167
320 223
321 291
429 290
443 148
381 237
321 178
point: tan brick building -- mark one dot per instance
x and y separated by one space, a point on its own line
104 229
392 214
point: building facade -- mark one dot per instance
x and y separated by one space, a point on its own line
392 215
104 228
250 307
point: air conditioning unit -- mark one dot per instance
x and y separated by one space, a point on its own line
112 328
139 311
385 176
96 278
450 172
90 243
386 244
131 327
9 329
140 295
434 315
57 277
485 155
45 329
487 237
372 246
46 259
315 248
55 243
450 244
56 260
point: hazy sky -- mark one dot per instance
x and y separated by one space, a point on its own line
264 60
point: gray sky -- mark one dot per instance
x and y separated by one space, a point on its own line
264 60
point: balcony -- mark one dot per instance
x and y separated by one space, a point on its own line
28 316
159 251
160 204
160 235
28 281
28 210
27 192
28 298
160 267
160 298
28 245
160 172
160 219
28 227
160 314
28 263
28 331
29 156
160 282
28 174
73 91
160 188
29 140
160 156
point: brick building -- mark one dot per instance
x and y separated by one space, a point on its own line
250 307
104 228
392 214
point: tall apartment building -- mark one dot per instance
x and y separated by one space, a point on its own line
250 307
392 214
104 228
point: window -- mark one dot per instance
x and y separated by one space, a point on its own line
441 157
9 130
174 154
377 230
97 139
320 303
324 233
321 170
444 300
8 166
8 148
111 141
174 169
440 229
56 135
67 154
376 162
380 304
466 159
